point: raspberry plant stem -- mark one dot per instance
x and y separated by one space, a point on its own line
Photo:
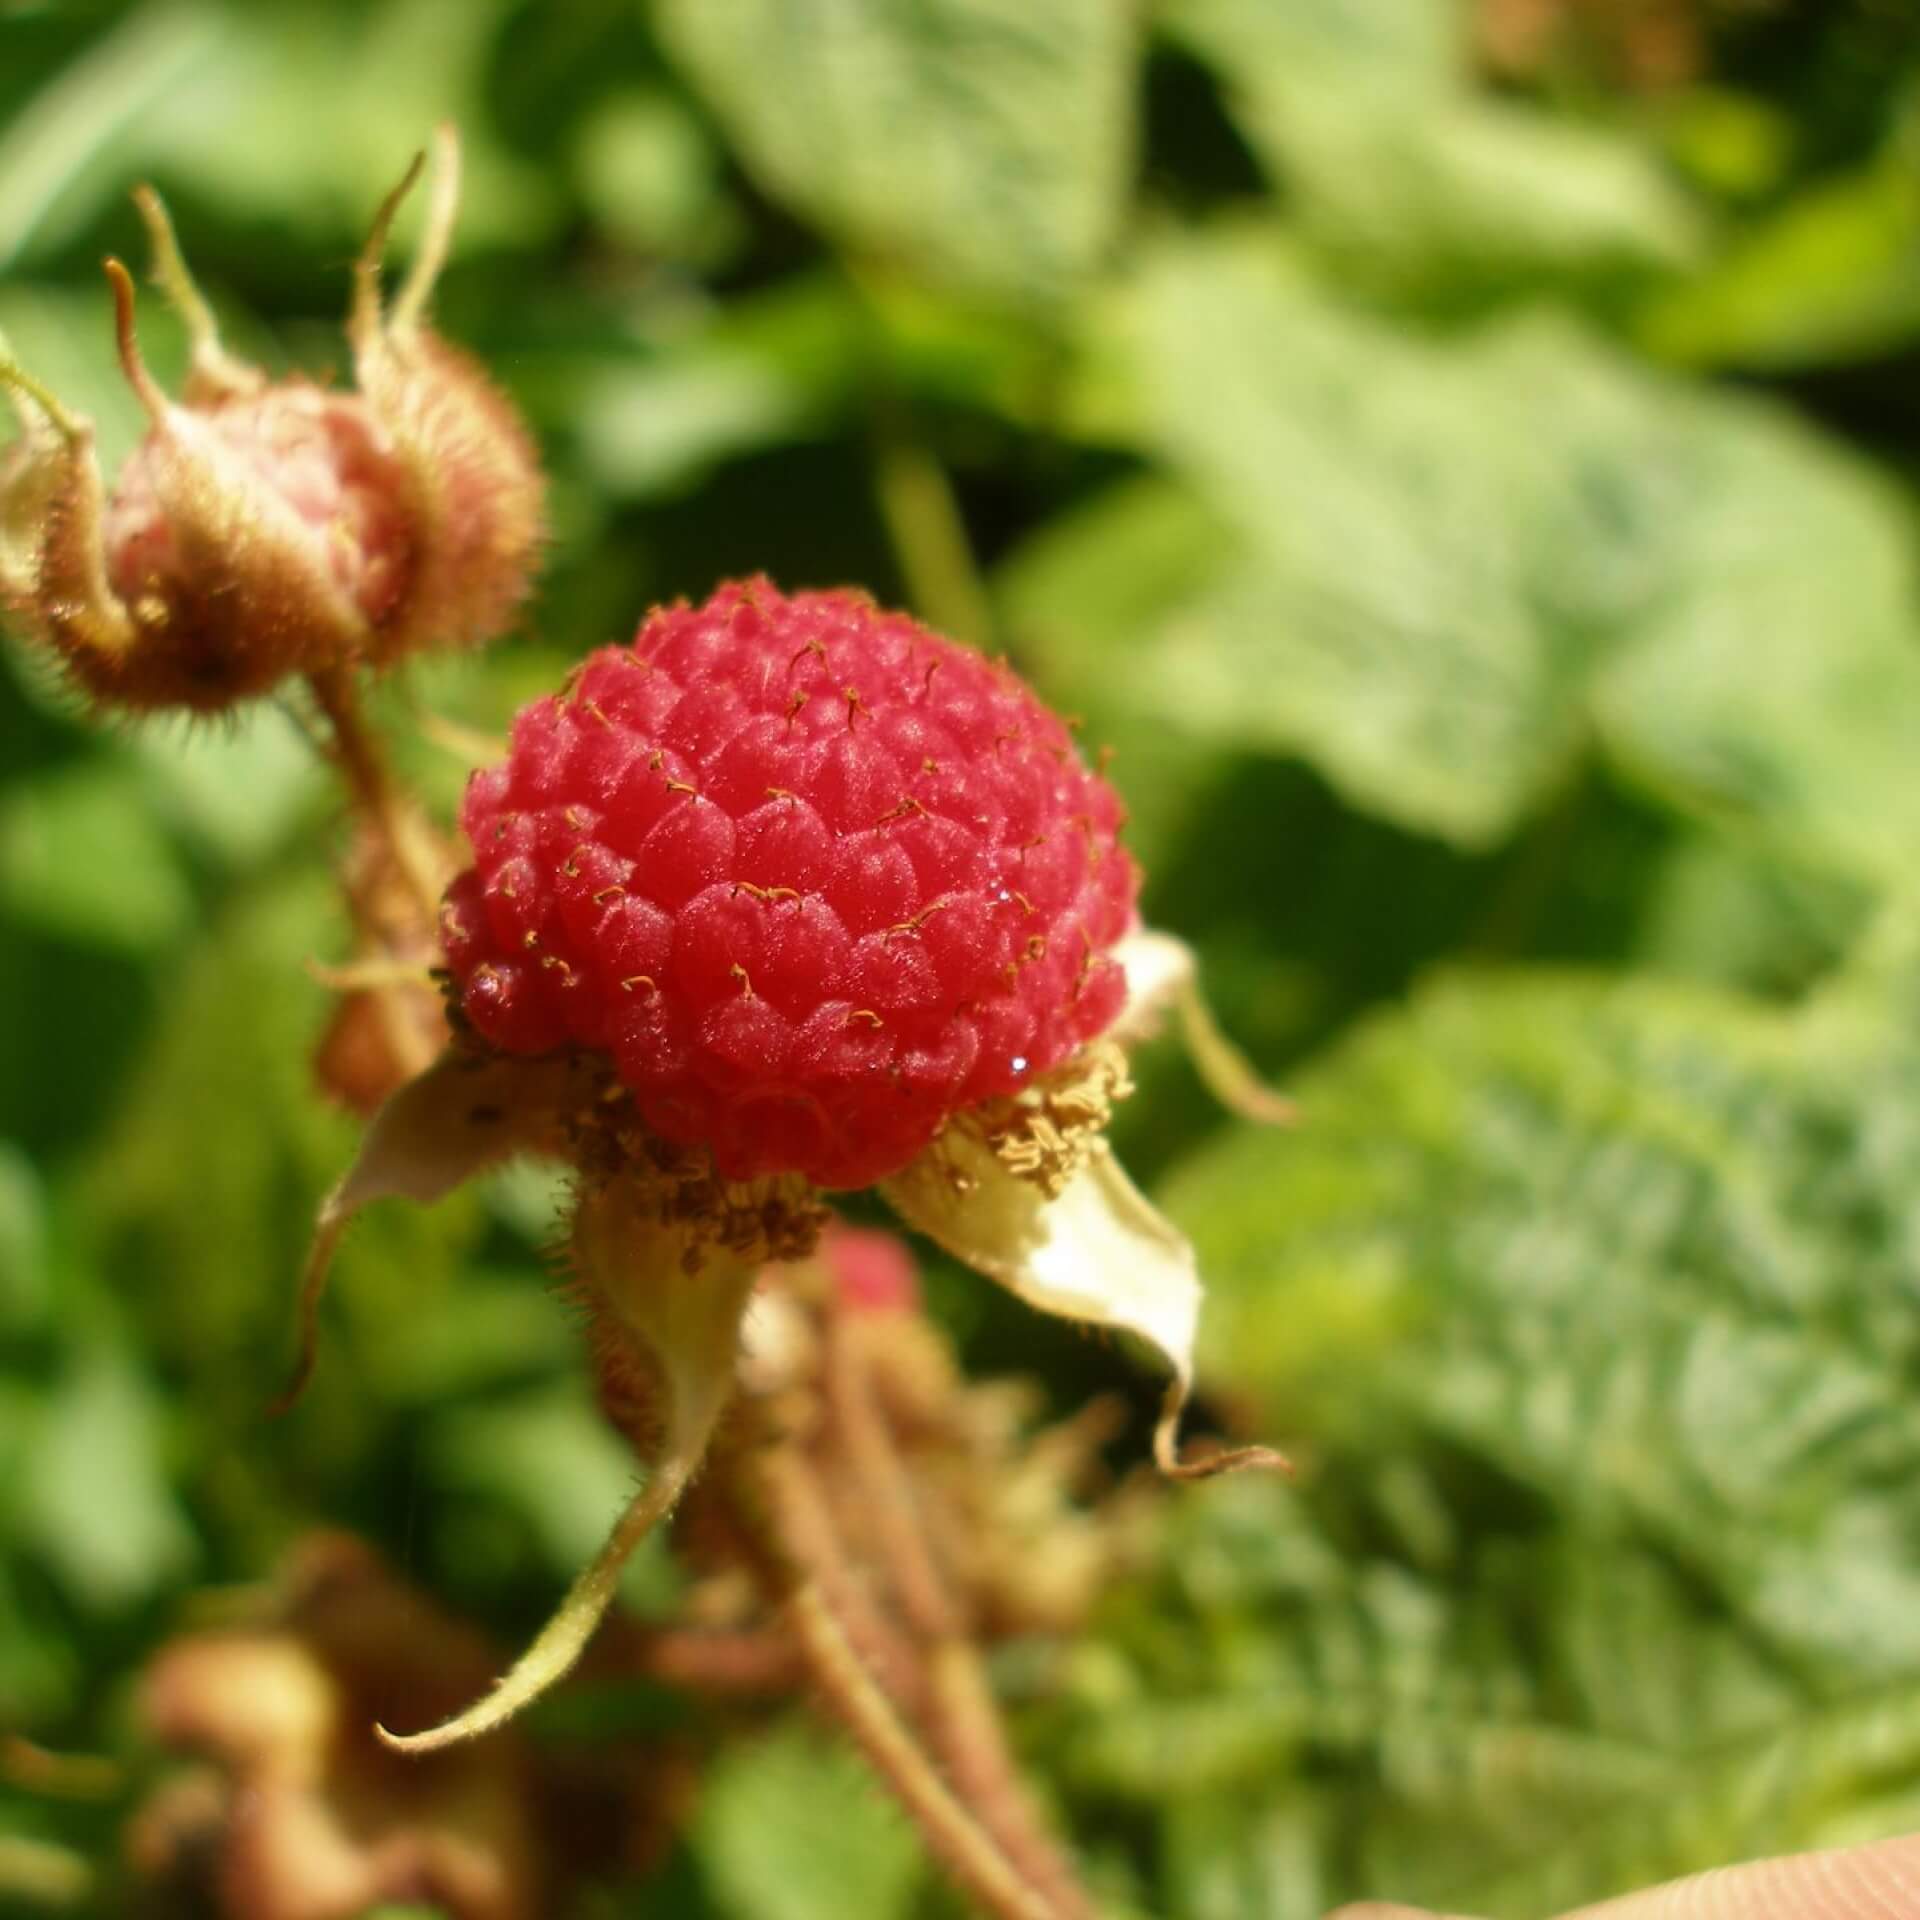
929 536
356 752
950 1830
789 1510
972 1740
805 1535
924 1594
961 1713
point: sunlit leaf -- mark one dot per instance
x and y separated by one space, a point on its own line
775 369
650 175
1370 122
1461 565
238 790
57 157
270 126
984 142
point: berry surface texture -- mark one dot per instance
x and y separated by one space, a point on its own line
815 877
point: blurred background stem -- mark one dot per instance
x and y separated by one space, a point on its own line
927 530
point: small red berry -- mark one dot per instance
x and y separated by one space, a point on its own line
873 1272
814 876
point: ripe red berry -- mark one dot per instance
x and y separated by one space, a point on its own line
815 877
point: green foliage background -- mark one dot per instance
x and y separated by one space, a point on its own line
1482 519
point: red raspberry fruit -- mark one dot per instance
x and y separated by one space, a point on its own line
816 877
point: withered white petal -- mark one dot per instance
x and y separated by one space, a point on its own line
1098 1251
1157 967
1163 973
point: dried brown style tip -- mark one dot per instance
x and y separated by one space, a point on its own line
268 528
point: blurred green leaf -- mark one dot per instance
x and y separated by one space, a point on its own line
1722 911
1459 564
1407 50
1561 1715
193 1185
59 157
274 124
1225 1861
237 790
650 176
1833 276
1367 117
495 1331
81 855
529 1196
792 1828
23 1241
1642 1249
93 1489
771 370
548 1457
985 143
40 1667
1733 144
65 339
1102 584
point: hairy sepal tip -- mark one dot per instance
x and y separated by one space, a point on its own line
466 1113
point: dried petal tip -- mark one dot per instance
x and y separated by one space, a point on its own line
463 1115
1076 1238
472 473
1162 973
564 1638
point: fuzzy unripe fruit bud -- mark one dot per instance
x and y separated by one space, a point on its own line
263 529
